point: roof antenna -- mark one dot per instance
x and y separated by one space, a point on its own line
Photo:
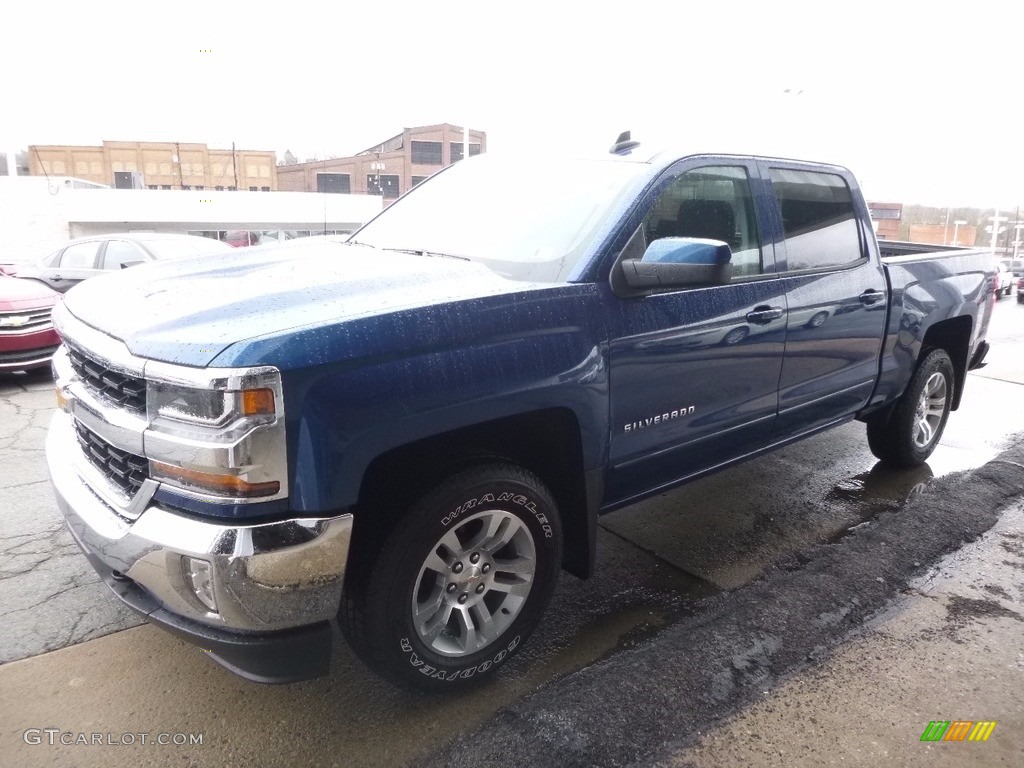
623 144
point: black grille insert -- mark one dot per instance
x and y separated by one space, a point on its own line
126 391
125 470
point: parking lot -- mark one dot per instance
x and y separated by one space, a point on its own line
700 559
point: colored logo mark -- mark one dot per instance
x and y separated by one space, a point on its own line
958 730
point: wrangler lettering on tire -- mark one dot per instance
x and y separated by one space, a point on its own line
461 581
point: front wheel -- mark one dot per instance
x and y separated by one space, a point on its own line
460 583
907 435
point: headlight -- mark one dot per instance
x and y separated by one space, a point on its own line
217 432
193 410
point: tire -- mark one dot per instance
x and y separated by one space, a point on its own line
907 435
460 583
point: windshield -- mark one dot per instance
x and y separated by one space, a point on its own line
525 226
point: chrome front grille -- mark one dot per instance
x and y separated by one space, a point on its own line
125 470
122 389
21 322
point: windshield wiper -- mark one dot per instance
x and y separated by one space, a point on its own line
416 252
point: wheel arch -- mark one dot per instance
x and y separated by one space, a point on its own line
954 337
546 442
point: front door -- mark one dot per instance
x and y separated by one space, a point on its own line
695 371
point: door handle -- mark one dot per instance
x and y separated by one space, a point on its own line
764 315
55 278
871 296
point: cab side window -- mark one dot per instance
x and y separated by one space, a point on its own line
713 203
818 219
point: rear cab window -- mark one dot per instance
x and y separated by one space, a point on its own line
820 226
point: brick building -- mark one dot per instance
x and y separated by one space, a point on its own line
944 234
887 219
390 168
162 165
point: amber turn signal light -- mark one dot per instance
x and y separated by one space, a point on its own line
257 402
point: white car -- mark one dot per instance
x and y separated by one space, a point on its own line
1004 279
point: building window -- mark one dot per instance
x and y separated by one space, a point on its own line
334 182
388 185
264 189
427 152
232 189
254 189
199 186
165 186
455 150
154 186
219 189
417 179
885 213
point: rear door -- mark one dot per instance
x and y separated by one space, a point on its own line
695 371
77 262
836 293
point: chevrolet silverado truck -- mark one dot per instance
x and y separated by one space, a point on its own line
412 433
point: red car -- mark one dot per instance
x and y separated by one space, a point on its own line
27 337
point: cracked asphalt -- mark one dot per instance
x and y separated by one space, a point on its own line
49 595
747 618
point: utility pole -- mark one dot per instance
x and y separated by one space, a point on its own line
995 229
234 164
945 232
956 230
12 162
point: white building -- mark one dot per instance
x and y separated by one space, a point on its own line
38 214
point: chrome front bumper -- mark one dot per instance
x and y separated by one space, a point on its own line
267 577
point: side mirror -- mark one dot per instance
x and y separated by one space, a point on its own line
678 262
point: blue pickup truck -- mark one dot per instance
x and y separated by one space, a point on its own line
412 433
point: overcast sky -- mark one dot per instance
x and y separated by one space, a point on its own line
920 100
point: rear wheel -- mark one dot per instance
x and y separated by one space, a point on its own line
908 434
460 583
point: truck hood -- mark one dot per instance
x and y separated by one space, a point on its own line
188 311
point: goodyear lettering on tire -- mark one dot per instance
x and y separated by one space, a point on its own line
464 674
